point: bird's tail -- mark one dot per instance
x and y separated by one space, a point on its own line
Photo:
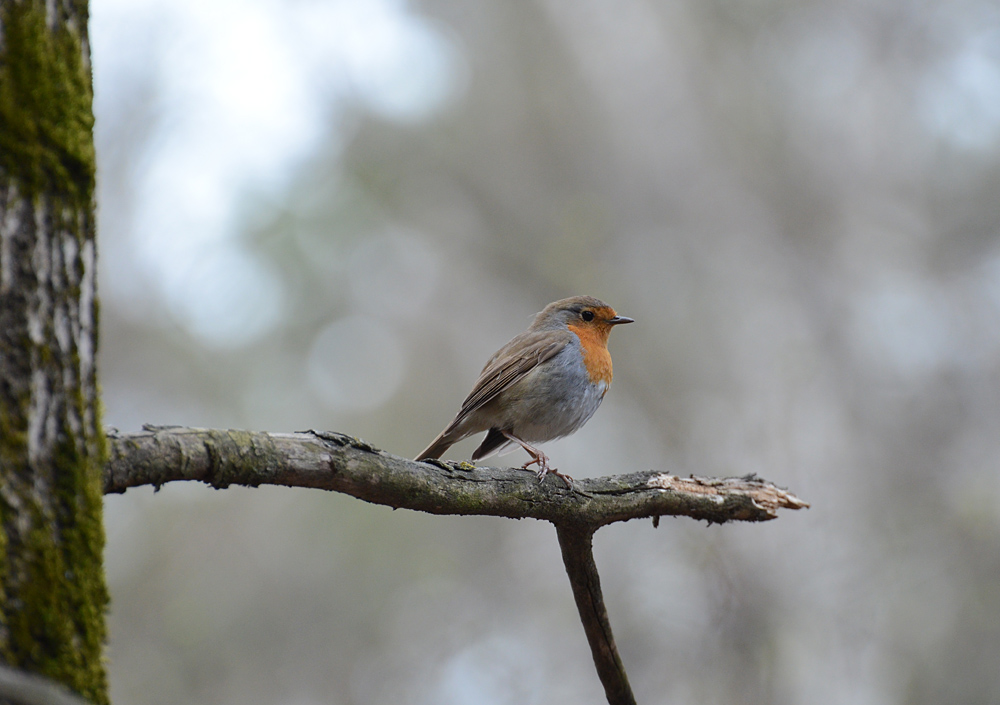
494 442
438 446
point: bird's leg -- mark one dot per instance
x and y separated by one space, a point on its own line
538 458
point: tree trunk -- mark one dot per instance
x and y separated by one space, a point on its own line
52 590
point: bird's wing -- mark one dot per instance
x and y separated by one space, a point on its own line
510 364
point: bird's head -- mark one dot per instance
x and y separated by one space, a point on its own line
582 314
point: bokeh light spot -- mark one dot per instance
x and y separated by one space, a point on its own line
228 297
394 272
355 364
961 101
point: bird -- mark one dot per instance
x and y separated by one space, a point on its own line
544 384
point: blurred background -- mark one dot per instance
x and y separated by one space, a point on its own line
328 214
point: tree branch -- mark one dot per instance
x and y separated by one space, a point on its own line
576 543
333 461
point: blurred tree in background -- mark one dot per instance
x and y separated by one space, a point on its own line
796 201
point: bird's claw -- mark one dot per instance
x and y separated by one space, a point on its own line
544 469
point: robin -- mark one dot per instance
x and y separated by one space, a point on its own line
544 384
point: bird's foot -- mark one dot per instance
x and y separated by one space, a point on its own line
540 459
561 475
544 469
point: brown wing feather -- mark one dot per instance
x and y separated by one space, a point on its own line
510 364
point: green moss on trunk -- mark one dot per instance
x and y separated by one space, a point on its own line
46 115
52 590
57 628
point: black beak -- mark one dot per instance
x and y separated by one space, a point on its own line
620 319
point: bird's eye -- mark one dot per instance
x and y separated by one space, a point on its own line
587 316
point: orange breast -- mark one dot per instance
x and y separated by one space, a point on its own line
596 358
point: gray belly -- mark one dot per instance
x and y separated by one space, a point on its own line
557 403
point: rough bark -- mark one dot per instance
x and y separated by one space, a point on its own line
52 448
333 461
